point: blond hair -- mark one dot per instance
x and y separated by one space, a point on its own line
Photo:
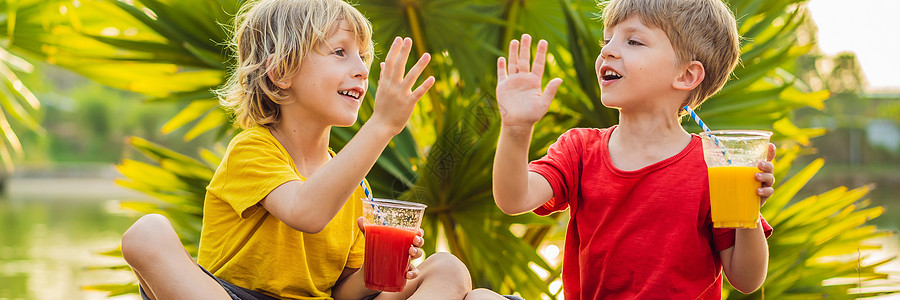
699 30
274 36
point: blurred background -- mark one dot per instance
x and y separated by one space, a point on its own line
107 115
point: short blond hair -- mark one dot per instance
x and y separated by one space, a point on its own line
699 30
286 31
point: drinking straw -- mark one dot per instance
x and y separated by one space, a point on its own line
365 189
369 197
704 128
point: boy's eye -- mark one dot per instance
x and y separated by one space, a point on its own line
634 43
339 52
604 42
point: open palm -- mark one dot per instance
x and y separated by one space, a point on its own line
519 95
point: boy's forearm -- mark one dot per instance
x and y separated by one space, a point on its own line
330 187
353 287
510 175
749 259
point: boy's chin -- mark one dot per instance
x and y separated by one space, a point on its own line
610 102
347 123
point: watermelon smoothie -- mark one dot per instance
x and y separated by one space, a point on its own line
387 257
391 226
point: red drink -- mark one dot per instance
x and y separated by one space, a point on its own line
387 257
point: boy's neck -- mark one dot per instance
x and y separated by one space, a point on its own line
644 138
650 126
307 144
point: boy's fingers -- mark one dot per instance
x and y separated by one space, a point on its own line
412 274
418 241
524 54
765 192
540 58
501 68
361 222
420 232
415 71
771 154
420 91
399 67
766 167
415 252
388 65
550 89
513 57
767 179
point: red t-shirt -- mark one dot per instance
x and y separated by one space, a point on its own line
634 234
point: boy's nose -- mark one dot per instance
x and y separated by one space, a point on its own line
607 52
361 71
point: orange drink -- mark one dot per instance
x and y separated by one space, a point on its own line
732 157
732 196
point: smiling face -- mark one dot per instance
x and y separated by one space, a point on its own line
331 83
636 66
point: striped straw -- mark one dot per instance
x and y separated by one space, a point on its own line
704 128
365 189
369 197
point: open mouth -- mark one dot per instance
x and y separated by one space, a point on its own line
351 93
609 74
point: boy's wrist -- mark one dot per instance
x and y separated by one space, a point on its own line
381 128
517 129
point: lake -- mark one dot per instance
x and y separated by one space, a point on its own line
51 232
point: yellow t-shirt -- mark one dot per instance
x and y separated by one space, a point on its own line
244 244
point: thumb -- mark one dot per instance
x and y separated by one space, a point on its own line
361 222
550 90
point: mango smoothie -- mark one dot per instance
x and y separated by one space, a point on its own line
732 196
732 157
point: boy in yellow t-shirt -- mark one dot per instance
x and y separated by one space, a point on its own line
281 218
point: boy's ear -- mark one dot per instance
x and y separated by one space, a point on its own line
283 84
691 77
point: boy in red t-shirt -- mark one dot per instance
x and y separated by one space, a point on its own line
638 192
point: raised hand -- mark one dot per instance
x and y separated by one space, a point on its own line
394 102
519 95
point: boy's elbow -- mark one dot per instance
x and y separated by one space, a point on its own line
306 225
505 209
748 286
506 206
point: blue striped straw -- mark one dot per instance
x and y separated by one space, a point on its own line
365 189
704 128
369 196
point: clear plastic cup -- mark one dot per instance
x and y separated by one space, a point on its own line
391 226
732 158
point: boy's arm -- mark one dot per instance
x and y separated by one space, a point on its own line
516 190
308 206
746 263
351 285
522 104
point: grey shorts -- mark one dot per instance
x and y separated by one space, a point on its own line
236 292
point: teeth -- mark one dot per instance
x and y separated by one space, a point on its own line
350 93
611 73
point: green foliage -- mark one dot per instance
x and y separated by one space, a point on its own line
817 238
173 50
18 105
